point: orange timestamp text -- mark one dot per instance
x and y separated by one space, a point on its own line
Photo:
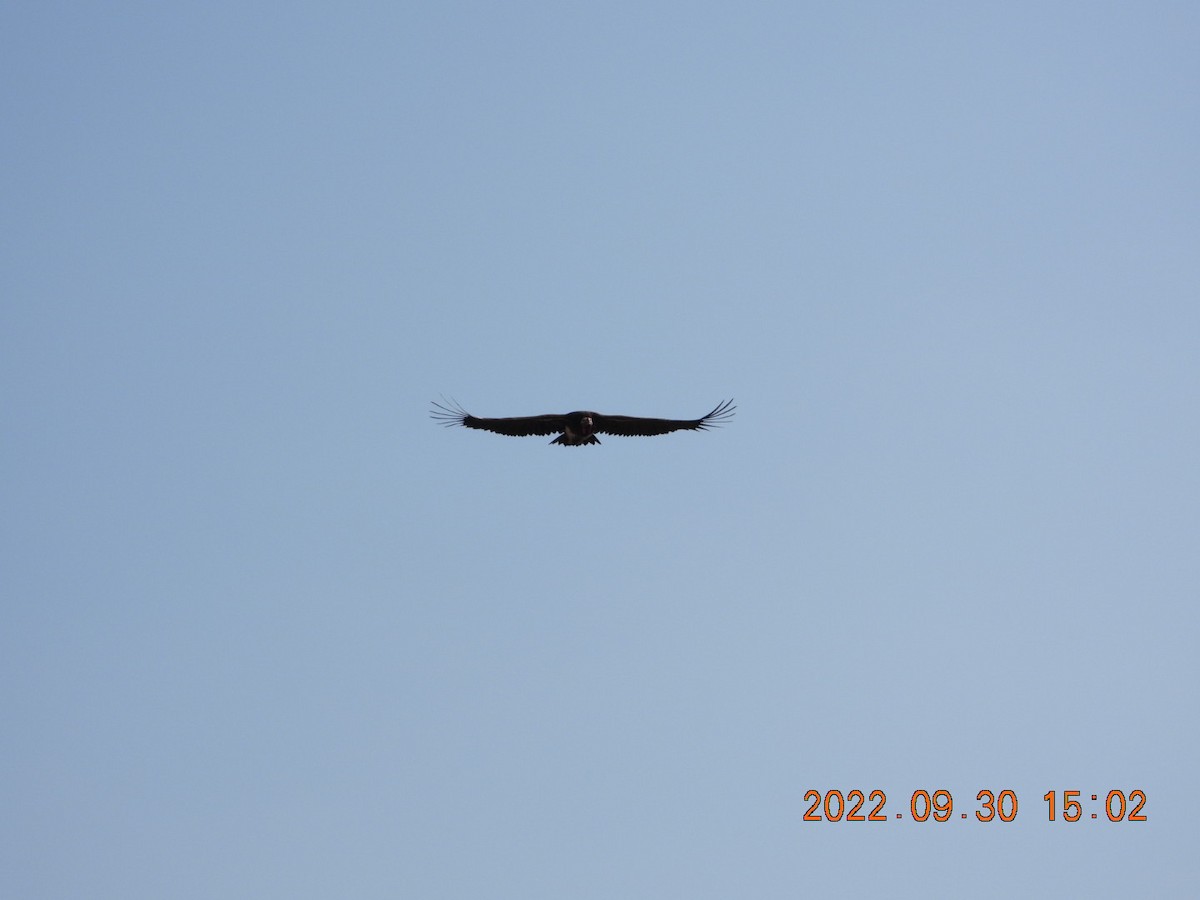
989 806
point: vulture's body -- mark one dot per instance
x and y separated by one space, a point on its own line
575 429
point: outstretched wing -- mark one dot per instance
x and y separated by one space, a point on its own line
635 426
514 426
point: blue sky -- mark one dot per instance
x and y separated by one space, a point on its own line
267 631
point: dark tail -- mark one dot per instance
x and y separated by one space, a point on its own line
575 441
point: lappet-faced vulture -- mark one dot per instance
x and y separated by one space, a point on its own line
574 429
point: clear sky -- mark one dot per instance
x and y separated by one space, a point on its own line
267 631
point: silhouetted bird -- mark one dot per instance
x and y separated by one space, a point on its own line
575 429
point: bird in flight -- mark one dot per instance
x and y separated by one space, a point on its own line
574 429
